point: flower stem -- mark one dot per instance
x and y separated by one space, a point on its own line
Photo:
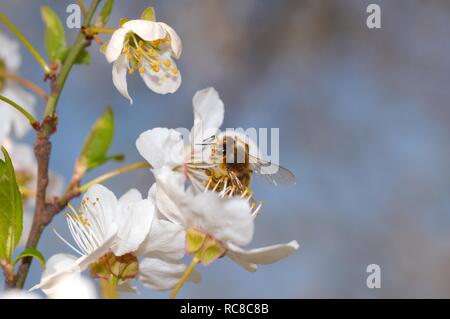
94 30
109 289
33 87
34 123
27 44
185 277
113 173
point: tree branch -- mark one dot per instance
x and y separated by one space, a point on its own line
45 212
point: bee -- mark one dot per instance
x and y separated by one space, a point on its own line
233 163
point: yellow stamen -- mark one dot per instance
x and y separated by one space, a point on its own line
155 67
156 43
152 52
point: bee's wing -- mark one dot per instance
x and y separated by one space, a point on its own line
200 165
208 141
272 173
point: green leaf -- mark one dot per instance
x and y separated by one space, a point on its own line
104 15
117 158
11 212
55 39
97 143
31 252
149 14
83 57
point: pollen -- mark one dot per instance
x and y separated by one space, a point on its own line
141 69
155 43
152 52
131 71
155 67
167 63
175 70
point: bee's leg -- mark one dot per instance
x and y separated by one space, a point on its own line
225 187
217 184
232 189
208 184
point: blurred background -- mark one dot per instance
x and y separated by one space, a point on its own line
364 125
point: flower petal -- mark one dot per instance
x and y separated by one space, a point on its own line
227 219
249 259
73 286
165 240
134 225
147 30
115 45
158 274
119 76
208 114
161 147
169 194
100 207
58 268
10 53
5 115
133 195
164 81
175 41
64 265
18 122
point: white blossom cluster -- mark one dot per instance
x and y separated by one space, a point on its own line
188 211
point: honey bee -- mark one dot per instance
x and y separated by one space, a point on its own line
232 165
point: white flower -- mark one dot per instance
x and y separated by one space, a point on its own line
148 47
11 119
107 230
194 154
9 53
105 225
70 286
222 223
165 147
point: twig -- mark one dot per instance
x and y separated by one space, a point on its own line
45 212
33 87
113 173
